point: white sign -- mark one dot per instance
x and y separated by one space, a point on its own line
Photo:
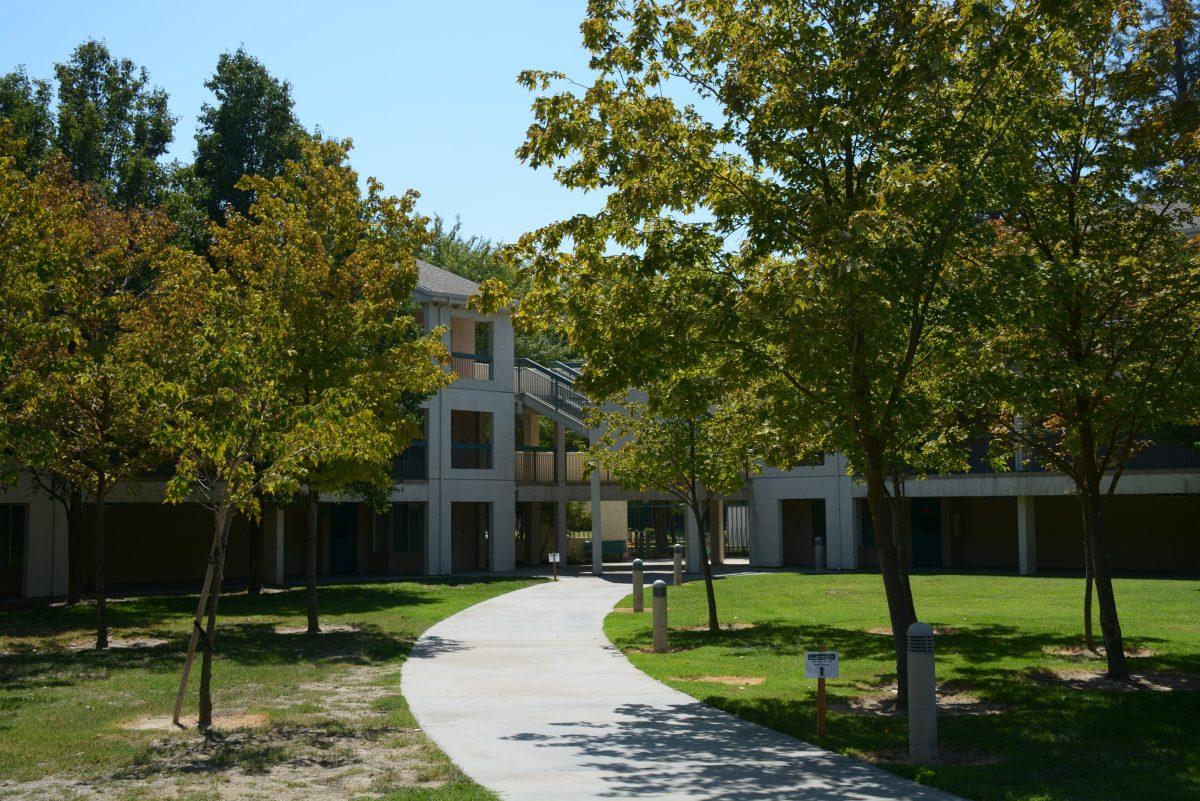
554 557
820 664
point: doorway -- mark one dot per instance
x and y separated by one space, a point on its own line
469 536
926 532
801 521
343 538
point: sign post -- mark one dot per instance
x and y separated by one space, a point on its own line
554 565
821 665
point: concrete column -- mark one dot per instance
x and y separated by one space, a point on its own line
597 515
716 541
692 535
273 546
1026 535
533 551
560 530
560 455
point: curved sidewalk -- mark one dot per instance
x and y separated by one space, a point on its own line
527 696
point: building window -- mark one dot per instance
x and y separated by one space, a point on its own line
470 440
412 464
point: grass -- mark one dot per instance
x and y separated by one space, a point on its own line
1033 724
312 701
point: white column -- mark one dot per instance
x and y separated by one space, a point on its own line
560 530
692 545
597 526
1026 535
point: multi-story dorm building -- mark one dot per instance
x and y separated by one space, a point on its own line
487 488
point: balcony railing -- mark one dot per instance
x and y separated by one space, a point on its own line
551 387
577 465
413 464
476 366
535 465
471 455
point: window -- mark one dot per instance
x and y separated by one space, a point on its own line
471 348
470 440
12 536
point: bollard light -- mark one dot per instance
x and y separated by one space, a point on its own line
678 564
819 553
922 696
659 614
639 599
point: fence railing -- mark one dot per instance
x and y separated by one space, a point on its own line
472 365
535 465
471 455
413 464
576 463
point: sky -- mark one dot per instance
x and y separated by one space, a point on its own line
427 90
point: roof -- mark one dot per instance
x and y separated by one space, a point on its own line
435 282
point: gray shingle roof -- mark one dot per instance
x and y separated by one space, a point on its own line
436 282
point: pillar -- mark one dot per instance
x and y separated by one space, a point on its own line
533 551
560 530
716 541
692 537
597 525
1026 535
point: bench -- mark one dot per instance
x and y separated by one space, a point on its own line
610 550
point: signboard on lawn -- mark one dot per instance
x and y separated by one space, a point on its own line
554 558
820 664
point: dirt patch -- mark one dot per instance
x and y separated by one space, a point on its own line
1095 679
884 631
953 698
1078 653
623 610
326 628
118 643
347 749
724 627
946 756
732 681
220 723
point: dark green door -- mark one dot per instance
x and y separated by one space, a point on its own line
343 538
926 532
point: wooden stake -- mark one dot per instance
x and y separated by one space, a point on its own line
821 702
197 628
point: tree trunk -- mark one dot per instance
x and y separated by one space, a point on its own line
101 601
74 546
254 569
314 626
1110 624
221 521
701 520
1089 637
896 585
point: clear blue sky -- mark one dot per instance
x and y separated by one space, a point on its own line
426 89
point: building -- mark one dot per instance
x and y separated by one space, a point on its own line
487 485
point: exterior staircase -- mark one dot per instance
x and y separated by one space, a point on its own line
550 390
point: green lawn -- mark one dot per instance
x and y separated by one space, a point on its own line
1032 721
326 709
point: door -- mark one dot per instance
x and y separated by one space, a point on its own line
468 535
343 538
796 519
926 532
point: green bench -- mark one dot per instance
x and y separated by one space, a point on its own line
610 550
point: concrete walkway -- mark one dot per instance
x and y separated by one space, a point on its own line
527 696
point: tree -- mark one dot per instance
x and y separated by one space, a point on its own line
75 397
112 127
306 364
25 103
251 130
799 188
690 438
1100 349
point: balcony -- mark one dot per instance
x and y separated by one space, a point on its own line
577 466
535 465
471 455
477 366
412 465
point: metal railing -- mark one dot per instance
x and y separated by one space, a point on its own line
535 465
476 366
413 463
551 387
471 455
